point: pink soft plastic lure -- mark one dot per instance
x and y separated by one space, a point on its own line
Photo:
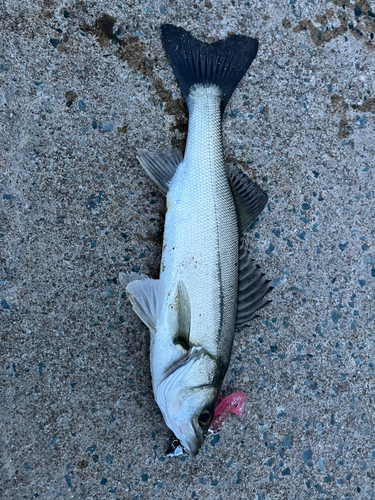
235 403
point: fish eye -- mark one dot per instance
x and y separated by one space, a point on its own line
205 418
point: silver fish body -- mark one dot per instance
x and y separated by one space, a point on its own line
207 285
201 238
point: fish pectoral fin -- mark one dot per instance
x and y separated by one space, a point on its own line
252 288
182 310
249 198
146 296
125 279
161 167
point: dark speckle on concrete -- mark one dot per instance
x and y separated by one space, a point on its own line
4 304
307 456
68 481
215 439
287 441
270 249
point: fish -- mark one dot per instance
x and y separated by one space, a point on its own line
208 284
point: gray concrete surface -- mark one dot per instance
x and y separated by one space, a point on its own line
83 85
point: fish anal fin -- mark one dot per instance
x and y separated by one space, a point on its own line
252 288
160 167
249 198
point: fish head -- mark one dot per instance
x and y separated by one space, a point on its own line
187 397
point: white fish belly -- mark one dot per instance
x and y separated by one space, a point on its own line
201 232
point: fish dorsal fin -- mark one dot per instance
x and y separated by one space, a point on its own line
146 296
252 288
161 167
249 198
182 311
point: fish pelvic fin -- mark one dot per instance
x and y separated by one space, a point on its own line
146 296
222 63
249 198
252 288
161 167
182 310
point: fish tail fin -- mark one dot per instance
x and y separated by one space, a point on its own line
222 63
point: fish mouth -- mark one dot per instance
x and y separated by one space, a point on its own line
192 445
176 449
194 450
186 440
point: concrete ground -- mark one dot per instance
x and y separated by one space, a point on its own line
83 85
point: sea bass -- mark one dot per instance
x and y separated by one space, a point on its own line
208 284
